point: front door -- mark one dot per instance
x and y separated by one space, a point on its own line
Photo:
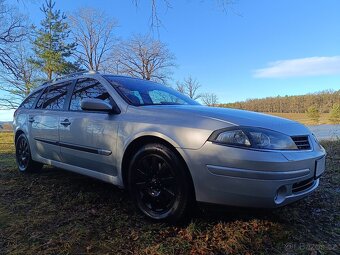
88 139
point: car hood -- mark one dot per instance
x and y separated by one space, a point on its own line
226 117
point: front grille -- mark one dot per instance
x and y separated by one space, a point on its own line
302 142
300 186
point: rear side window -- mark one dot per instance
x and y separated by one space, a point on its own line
29 101
41 99
54 97
88 88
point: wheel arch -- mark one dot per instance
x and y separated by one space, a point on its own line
17 134
147 139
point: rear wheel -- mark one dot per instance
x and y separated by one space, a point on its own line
159 183
23 156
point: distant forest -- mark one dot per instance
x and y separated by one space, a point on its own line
323 101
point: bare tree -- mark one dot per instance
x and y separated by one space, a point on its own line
18 82
189 87
180 87
155 20
209 99
227 5
145 58
12 31
93 32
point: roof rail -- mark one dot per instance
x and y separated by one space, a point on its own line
45 83
69 76
74 75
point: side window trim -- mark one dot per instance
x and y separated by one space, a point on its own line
68 101
69 95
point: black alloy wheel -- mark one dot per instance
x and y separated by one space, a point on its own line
23 155
159 183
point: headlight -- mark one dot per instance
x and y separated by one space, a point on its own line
257 138
317 142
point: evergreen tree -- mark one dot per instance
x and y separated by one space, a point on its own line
51 45
313 114
335 114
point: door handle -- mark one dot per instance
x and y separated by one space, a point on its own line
65 122
31 119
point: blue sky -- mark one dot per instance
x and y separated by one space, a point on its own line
257 49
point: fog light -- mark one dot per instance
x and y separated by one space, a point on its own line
280 195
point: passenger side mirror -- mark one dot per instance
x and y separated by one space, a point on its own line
95 104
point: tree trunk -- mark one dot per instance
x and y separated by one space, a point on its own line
49 75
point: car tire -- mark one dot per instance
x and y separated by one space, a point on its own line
159 183
23 156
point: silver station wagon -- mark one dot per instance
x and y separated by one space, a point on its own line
166 149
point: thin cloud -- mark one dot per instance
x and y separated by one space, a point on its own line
313 66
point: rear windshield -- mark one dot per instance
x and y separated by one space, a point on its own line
142 92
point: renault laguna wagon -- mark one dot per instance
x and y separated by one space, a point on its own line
166 149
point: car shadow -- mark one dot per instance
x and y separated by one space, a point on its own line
108 193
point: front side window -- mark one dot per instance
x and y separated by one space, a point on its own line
88 88
54 97
29 101
142 92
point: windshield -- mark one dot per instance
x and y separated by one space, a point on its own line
142 92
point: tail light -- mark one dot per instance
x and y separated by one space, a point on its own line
15 113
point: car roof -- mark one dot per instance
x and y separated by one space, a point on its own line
77 75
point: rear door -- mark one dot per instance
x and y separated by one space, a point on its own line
22 113
88 139
44 121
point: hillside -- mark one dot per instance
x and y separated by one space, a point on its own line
323 101
6 126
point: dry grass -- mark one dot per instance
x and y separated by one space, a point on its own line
57 212
303 118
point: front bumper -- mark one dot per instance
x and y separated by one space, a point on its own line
250 178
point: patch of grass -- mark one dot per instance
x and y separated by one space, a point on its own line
6 137
7 150
58 212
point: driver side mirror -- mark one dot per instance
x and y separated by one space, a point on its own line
95 104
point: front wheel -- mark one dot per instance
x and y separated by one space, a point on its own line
159 183
23 156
